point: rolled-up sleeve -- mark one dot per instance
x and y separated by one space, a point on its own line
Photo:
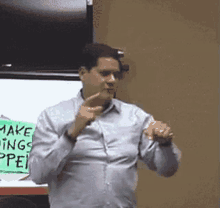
49 151
163 160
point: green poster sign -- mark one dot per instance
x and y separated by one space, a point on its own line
15 146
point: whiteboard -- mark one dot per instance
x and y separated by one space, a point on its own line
24 100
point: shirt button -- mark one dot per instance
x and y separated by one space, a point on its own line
108 203
108 183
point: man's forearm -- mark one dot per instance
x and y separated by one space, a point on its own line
75 130
45 162
166 161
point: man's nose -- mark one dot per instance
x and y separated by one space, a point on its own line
111 78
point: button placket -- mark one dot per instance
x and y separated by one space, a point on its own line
107 183
102 133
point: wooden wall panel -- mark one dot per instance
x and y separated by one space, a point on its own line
172 50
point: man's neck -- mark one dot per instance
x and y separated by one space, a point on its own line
104 103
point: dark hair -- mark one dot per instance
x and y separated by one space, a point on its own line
16 202
93 51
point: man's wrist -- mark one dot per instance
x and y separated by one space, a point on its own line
166 144
70 137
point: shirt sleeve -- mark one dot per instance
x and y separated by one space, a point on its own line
49 151
163 160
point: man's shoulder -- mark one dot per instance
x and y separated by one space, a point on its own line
60 109
62 105
123 105
133 112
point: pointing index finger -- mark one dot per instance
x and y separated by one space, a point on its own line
91 98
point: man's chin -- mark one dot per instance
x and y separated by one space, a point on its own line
107 95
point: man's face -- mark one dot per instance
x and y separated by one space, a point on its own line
102 78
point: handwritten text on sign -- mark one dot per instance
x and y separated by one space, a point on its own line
15 146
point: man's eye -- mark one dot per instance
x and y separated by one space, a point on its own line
117 75
105 74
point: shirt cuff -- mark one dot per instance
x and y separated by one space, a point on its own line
166 144
64 146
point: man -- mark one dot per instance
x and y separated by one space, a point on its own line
87 148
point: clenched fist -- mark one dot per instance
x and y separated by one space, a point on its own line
159 131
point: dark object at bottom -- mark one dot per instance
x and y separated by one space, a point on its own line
27 201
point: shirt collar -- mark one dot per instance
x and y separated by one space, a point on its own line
115 103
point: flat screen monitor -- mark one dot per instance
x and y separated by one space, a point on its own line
44 33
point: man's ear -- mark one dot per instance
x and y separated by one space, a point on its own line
82 72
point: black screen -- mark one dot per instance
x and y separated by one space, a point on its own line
32 39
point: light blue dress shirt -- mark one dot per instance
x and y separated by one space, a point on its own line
100 170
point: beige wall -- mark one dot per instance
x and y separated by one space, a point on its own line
173 55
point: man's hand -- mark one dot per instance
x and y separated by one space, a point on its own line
159 131
85 116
